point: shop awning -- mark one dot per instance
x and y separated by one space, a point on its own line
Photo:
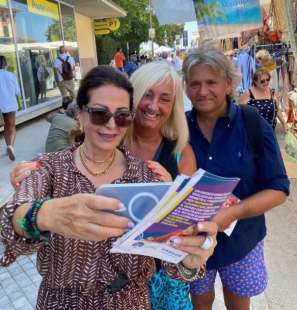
97 8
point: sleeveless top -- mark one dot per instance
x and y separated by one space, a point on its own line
166 157
266 108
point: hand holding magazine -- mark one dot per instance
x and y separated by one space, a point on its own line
166 210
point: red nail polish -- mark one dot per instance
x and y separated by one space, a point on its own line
37 164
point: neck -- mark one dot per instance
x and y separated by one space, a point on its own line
212 117
95 154
147 137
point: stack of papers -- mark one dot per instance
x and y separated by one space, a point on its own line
165 210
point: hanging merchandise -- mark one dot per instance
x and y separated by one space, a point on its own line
271 25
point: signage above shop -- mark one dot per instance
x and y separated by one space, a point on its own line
106 26
3 2
44 8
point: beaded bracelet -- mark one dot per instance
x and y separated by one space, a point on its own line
191 274
28 223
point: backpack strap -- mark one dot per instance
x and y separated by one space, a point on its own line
61 59
254 130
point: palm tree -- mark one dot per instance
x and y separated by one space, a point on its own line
210 10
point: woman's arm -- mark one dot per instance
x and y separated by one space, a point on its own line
187 164
244 98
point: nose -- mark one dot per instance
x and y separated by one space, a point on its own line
111 123
154 103
203 89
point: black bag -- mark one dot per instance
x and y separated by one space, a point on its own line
67 72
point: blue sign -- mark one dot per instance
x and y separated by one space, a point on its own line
235 12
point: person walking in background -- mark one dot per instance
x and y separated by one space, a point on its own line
64 66
42 76
262 97
9 90
119 59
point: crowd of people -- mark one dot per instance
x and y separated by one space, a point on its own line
135 130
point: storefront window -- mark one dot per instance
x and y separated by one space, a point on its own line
38 35
7 47
69 30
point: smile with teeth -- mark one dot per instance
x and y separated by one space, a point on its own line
152 115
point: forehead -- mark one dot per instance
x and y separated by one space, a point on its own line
205 71
165 85
110 96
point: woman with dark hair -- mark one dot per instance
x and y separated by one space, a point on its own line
262 97
9 90
55 212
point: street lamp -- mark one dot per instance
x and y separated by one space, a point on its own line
152 32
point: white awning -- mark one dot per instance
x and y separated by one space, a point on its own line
97 8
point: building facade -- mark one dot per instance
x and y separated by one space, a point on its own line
31 32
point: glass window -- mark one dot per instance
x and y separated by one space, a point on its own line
69 30
7 47
38 35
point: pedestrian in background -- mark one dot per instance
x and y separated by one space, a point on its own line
9 90
119 59
64 66
219 137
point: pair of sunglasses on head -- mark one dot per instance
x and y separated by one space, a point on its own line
101 116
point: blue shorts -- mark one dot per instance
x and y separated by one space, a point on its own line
245 278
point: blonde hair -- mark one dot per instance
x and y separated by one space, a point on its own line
143 79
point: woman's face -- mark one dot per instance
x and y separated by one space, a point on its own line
106 136
263 81
156 106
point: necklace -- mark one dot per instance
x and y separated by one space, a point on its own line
95 161
96 174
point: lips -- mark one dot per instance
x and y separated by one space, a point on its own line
107 137
150 115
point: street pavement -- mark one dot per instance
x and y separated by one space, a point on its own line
19 282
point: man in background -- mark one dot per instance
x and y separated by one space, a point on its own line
119 59
64 66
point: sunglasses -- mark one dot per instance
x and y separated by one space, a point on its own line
263 81
101 116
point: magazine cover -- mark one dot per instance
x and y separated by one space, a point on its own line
199 200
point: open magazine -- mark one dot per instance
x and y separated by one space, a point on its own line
174 210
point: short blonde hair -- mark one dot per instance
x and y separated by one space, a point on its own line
143 79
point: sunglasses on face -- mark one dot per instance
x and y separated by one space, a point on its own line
101 116
264 81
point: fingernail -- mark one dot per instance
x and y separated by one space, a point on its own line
27 173
37 164
17 185
200 226
131 224
175 241
121 207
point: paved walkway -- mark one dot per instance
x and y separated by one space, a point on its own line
19 282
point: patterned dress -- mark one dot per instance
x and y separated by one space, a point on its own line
266 108
76 274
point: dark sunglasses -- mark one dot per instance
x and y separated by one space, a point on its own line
263 81
101 116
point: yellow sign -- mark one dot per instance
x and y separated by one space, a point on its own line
3 2
44 8
105 26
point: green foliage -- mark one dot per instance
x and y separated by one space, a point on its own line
210 10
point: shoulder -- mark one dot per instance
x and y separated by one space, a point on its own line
137 170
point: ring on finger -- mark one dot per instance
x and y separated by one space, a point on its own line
208 242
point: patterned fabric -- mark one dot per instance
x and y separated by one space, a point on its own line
245 278
75 274
266 108
167 293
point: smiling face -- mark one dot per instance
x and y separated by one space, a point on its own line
156 106
208 89
108 136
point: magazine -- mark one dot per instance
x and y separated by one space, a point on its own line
176 212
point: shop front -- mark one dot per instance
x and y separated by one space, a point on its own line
31 32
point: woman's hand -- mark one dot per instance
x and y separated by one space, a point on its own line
21 171
192 245
159 171
83 217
